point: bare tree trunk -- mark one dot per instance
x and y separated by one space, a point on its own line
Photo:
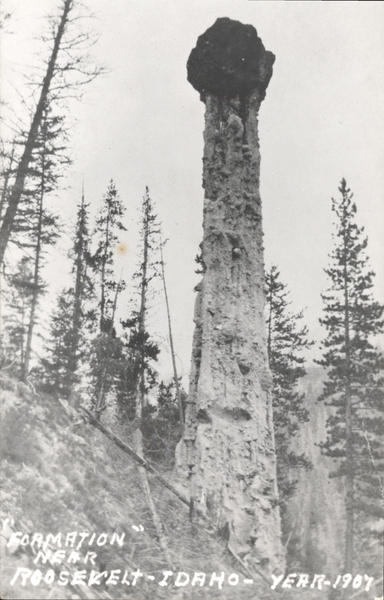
269 327
79 285
140 389
92 420
175 376
102 301
18 186
155 515
22 349
78 298
35 293
141 401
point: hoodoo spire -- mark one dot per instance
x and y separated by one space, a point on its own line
228 442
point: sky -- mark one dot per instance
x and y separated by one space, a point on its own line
141 124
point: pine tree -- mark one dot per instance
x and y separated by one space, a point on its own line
108 225
143 352
354 386
48 164
58 374
166 428
107 348
21 173
67 346
17 304
138 375
40 224
35 228
83 286
286 341
66 69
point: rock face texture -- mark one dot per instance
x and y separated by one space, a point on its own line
316 513
227 451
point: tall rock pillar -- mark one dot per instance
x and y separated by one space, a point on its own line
228 445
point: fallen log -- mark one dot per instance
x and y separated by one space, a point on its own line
128 450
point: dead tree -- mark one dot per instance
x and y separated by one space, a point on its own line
75 60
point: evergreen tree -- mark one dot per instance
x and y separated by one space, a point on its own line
47 166
35 228
143 352
137 369
108 225
25 160
66 69
67 345
354 386
40 224
59 376
138 375
286 341
83 289
17 302
163 432
106 347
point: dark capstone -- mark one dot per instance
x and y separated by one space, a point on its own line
229 60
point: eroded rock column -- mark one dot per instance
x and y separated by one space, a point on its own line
228 452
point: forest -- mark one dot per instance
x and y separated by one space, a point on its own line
261 477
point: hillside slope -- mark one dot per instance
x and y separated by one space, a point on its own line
64 477
75 522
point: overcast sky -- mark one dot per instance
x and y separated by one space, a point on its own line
142 124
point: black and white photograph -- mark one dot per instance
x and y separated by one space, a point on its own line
192 299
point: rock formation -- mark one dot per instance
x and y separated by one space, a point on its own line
228 448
